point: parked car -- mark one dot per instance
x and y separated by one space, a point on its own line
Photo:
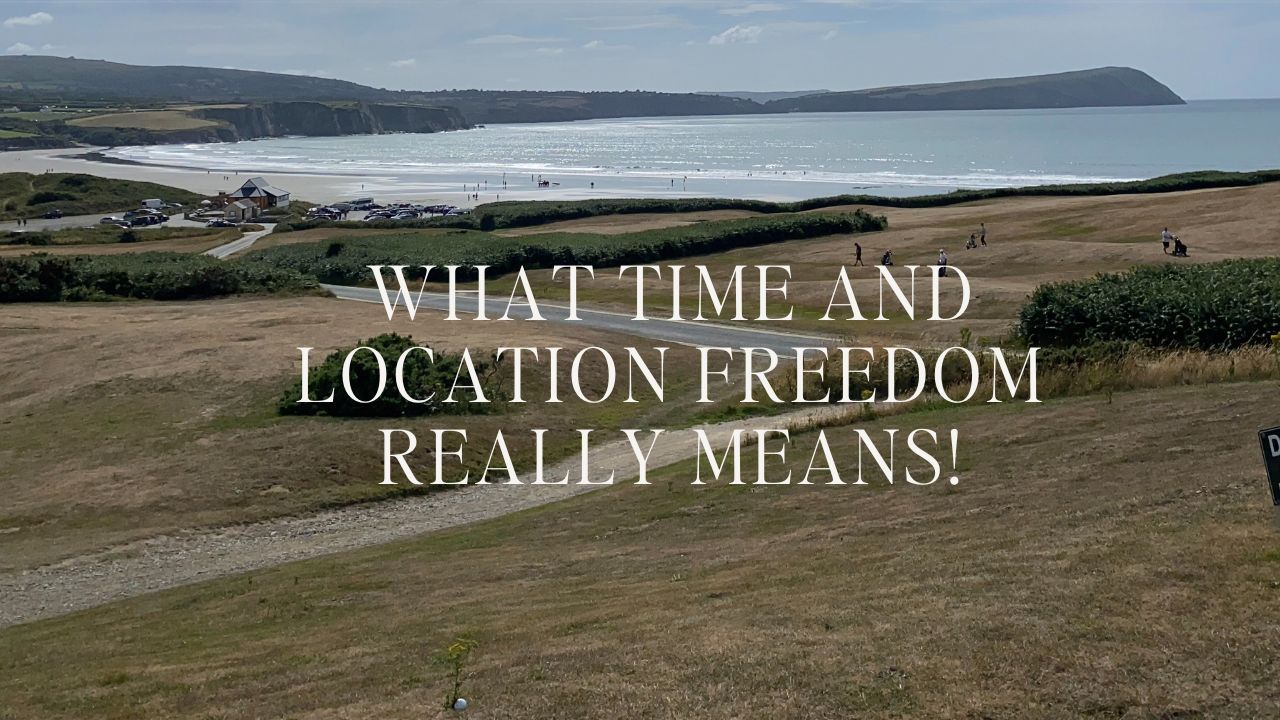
220 223
53 214
112 220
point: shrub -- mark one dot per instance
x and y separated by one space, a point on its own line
423 378
1211 306
153 276
49 197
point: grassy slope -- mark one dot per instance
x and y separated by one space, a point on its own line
146 120
1033 241
186 433
77 194
1086 565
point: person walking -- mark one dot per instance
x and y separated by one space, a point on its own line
942 262
857 254
1166 237
982 235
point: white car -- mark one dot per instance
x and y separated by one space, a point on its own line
110 220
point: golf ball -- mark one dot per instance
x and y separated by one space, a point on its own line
460 704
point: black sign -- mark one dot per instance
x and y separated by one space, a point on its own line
1270 440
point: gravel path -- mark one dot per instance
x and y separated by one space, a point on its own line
169 561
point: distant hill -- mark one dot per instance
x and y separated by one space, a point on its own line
46 79
29 81
1099 87
764 97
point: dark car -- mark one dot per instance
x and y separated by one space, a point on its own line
53 214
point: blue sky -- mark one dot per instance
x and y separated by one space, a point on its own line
1201 49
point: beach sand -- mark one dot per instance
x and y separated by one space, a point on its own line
313 188
316 188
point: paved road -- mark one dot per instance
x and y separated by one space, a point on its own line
224 251
697 334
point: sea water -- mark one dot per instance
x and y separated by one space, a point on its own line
788 156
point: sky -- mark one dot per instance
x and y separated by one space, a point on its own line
1200 48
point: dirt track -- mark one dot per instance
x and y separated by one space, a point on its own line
171 560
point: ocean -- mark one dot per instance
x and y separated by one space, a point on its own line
790 156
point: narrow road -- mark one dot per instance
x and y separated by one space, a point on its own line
222 252
682 332
169 561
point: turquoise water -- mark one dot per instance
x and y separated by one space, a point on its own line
776 156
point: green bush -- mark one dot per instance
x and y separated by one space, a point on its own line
347 262
422 378
1212 306
152 276
47 196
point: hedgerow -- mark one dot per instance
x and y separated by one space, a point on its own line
152 276
346 261
1212 306
525 213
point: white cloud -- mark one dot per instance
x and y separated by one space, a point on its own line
830 35
752 8
549 51
36 18
19 49
602 45
405 63
510 40
737 34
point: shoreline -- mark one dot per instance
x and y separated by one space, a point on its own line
90 160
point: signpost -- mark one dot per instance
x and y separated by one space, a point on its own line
1270 440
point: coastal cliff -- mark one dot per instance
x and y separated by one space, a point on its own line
249 121
275 119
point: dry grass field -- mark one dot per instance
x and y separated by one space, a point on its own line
1098 559
136 419
1110 553
1031 241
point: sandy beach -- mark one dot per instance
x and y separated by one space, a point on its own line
326 188
313 188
